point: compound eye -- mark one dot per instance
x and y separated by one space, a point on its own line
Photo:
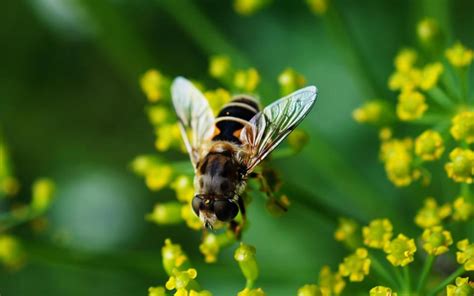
225 210
197 202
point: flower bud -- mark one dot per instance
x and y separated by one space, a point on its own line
245 256
43 193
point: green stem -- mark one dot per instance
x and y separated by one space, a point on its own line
448 280
383 272
407 280
424 274
17 217
440 97
463 78
399 277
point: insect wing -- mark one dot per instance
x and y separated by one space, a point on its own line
196 120
271 126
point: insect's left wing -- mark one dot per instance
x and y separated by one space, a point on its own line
196 120
271 126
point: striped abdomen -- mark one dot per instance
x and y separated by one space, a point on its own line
232 118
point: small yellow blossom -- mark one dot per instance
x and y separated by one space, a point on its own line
217 99
154 85
9 185
385 134
459 56
318 7
183 186
427 30
142 164
156 291
248 7
462 209
43 193
378 233
461 166
436 240
179 280
219 66
309 290
210 248
381 291
188 215
462 288
405 59
330 283
430 75
371 112
429 145
158 177
11 252
251 292
466 254
166 136
245 256
166 213
399 170
157 114
405 81
356 266
400 250
411 105
247 80
347 232
173 257
431 215
290 81
462 127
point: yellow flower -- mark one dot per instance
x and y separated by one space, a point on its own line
405 81
247 80
330 283
11 252
154 85
371 112
399 170
430 75
356 266
461 166
192 221
210 248
394 148
142 164
378 233
427 30
381 291
436 240
166 136
158 177
251 292
400 250
429 145
248 7
431 215
462 288
309 290
411 105
347 232
9 185
217 98
166 213
43 193
385 134
405 59
219 66
173 257
459 56
466 254
179 280
156 291
157 114
290 81
462 127
463 209
183 186
200 293
318 7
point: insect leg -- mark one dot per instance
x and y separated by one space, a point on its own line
274 204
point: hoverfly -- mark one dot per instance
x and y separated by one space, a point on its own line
225 150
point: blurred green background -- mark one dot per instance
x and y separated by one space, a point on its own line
71 108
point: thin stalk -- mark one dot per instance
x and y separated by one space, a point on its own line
440 97
447 281
399 276
407 279
424 274
383 272
17 217
463 78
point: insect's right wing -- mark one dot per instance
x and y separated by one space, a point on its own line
271 126
196 120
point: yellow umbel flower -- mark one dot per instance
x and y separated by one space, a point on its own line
378 233
405 81
431 215
247 80
318 7
330 283
462 288
462 209
251 292
356 266
158 177
461 166
192 221
167 135
430 75
290 81
459 56
179 280
411 105
347 232
400 250
399 170
462 127
381 291
219 66
43 193
154 85
394 148
183 186
429 145
466 254
173 257
370 112
436 240
427 30
166 213
157 114
217 99
405 59
309 290
248 7
11 252
156 291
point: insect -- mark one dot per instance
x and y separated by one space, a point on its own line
225 150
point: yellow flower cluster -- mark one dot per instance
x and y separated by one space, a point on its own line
436 240
356 266
398 158
11 252
431 214
459 56
318 7
381 291
247 80
289 81
212 243
461 165
155 85
463 210
329 284
463 287
465 255
429 145
347 232
309 290
373 112
377 233
462 127
427 30
400 250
